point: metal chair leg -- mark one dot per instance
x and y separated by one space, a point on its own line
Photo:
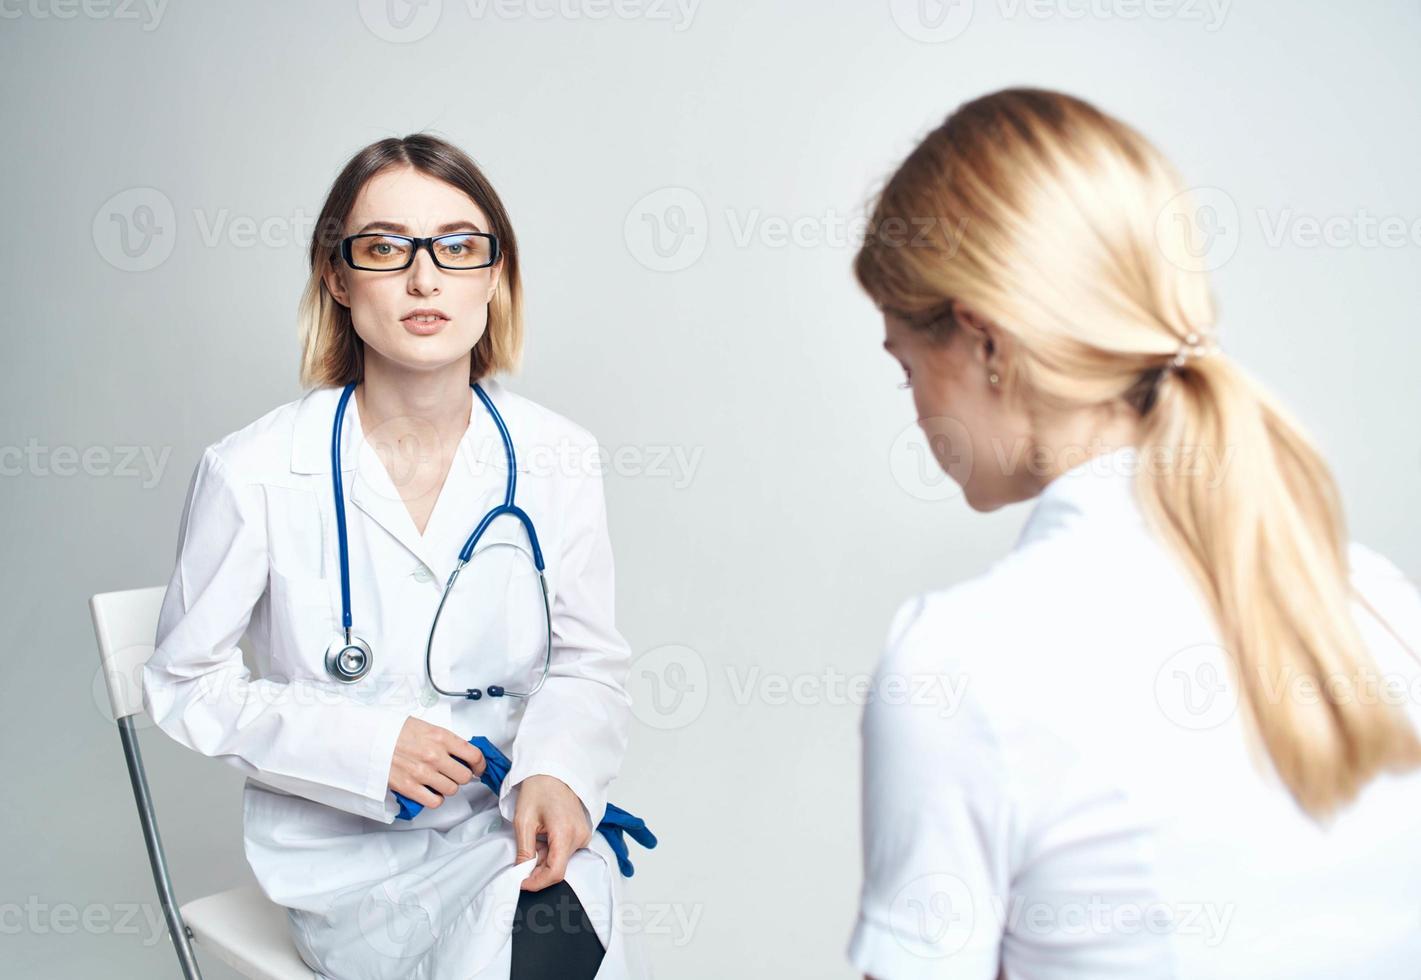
178 931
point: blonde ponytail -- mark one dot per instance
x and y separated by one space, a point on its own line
1046 218
1260 526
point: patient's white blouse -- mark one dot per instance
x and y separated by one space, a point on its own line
1058 783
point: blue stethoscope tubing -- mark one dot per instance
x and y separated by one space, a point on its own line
349 657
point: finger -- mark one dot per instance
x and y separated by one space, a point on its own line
456 770
579 835
413 789
438 781
538 878
425 789
424 796
560 849
470 756
416 780
525 833
537 881
442 754
643 836
619 848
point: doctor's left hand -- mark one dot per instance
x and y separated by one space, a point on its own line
548 809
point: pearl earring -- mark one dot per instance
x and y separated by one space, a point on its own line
993 377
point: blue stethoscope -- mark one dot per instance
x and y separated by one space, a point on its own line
349 657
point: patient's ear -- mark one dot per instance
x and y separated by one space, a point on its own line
983 336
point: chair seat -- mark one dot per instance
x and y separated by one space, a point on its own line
248 932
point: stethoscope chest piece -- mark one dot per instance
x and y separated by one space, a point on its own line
348 658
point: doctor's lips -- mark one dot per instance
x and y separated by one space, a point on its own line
424 321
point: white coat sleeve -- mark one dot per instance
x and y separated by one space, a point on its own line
576 727
935 821
298 736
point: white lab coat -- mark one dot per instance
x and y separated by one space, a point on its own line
368 896
1060 781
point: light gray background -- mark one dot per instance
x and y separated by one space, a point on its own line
800 527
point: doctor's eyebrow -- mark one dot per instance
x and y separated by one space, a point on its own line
399 229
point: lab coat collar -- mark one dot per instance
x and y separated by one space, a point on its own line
1100 489
475 482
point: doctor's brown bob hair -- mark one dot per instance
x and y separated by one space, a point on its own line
332 354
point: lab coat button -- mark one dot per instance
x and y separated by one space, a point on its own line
428 697
422 574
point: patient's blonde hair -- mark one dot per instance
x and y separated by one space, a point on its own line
1067 229
331 351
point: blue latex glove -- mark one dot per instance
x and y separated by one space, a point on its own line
616 822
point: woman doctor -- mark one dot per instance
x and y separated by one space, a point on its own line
414 295
1172 733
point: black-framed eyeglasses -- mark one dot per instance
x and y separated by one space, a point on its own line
382 252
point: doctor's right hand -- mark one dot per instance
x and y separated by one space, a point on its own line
431 762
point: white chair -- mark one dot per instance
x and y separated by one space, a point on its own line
242 927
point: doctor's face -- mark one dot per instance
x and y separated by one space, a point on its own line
966 420
423 317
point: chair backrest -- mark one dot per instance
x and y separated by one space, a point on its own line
125 624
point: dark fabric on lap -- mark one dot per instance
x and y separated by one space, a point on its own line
553 938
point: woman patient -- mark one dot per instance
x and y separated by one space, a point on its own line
1186 742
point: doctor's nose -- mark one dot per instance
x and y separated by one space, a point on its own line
423 275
